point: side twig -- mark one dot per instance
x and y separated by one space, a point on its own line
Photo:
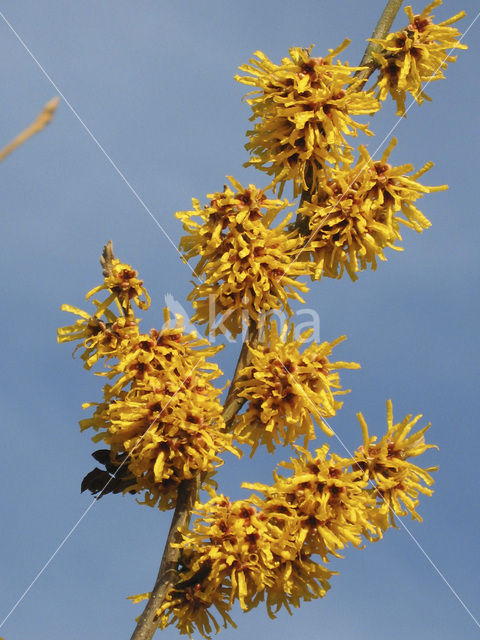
41 121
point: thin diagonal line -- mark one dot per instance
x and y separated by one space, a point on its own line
65 539
399 119
92 136
404 526
20 599
439 572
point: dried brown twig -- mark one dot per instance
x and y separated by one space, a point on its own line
41 121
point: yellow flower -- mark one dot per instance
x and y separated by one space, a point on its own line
169 436
161 416
297 581
357 213
262 549
288 389
235 552
265 548
99 338
124 286
416 54
145 357
323 504
103 333
397 481
233 540
226 557
227 209
248 267
163 411
189 609
304 108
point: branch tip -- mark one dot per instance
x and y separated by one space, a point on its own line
106 259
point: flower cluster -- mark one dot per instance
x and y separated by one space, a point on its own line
235 552
304 109
160 417
357 213
248 267
122 284
98 337
325 502
103 334
386 465
265 548
416 54
287 389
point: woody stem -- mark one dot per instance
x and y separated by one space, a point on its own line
381 30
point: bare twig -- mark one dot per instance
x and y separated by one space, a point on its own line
41 121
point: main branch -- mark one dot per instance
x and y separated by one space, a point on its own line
166 578
381 30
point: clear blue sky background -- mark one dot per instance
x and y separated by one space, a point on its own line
153 80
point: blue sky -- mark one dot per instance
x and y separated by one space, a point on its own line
153 81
